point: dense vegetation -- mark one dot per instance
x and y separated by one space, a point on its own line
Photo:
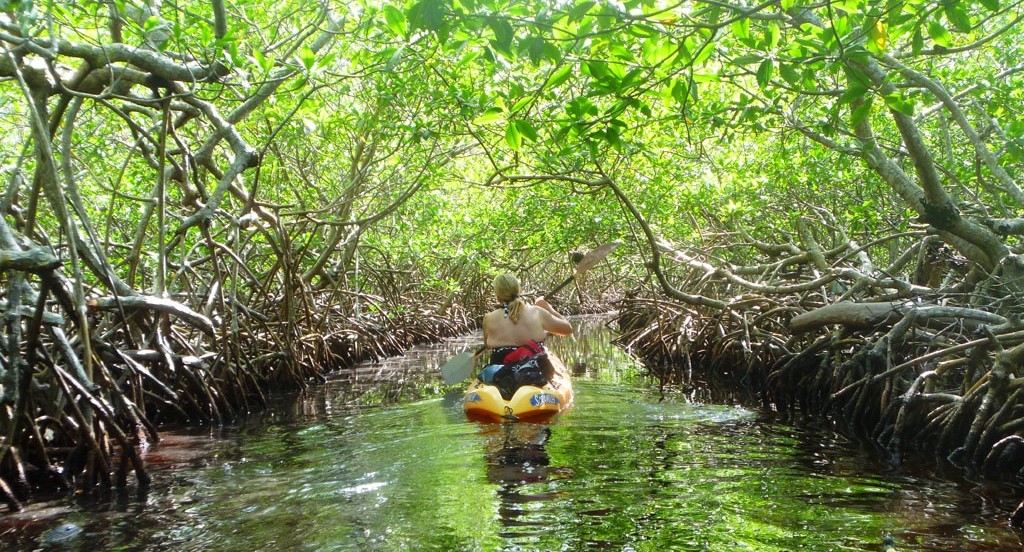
207 200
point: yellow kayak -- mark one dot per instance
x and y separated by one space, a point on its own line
483 402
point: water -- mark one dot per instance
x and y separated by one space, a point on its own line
385 460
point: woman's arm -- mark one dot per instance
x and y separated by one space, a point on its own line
553 321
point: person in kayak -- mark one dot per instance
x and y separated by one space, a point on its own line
517 323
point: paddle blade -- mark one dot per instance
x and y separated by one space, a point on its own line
458 368
597 255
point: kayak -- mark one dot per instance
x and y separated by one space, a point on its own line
483 402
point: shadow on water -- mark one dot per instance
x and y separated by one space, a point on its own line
383 459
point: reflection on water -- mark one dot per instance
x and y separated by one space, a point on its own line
365 464
517 462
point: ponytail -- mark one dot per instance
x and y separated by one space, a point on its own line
514 308
506 287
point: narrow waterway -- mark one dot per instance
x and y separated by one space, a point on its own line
385 460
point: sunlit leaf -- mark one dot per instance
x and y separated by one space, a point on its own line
395 57
307 57
490 115
878 36
513 138
151 23
395 20
703 53
741 28
773 35
560 76
262 61
940 34
519 105
656 51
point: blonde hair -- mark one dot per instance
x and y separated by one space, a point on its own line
506 287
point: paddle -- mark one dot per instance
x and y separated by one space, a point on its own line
586 263
460 367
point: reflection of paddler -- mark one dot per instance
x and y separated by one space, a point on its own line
516 458
516 453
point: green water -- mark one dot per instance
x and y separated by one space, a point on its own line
386 461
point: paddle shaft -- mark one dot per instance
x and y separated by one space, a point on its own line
586 263
560 286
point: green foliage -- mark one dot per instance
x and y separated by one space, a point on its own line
707 116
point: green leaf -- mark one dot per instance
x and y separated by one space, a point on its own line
855 92
917 41
642 31
898 103
957 15
861 112
773 35
513 137
581 107
633 78
681 92
151 23
427 14
741 28
503 33
940 34
579 11
560 76
990 5
765 73
527 130
596 69
307 57
491 115
789 74
747 59
395 20
857 85
534 48
519 105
